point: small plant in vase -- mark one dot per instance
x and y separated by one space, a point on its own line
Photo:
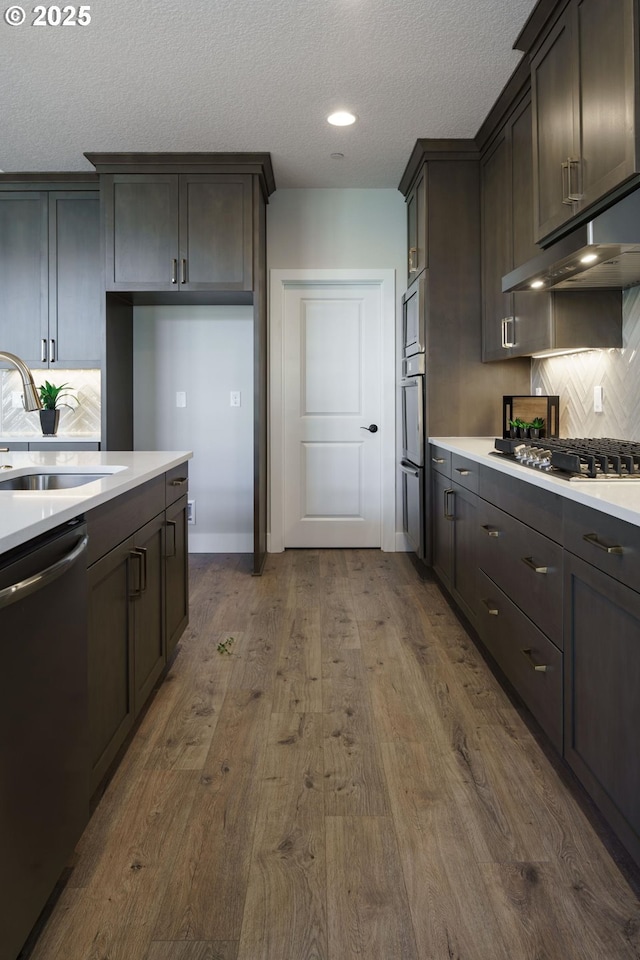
51 398
535 428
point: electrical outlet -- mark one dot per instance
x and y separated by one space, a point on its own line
597 399
234 398
181 398
191 511
16 400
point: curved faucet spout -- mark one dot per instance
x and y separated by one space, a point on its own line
30 395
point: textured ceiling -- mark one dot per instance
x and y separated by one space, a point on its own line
236 75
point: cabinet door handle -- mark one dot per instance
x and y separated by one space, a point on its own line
492 610
172 524
179 481
529 562
174 271
412 266
573 196
490 531
437 459
463 471
564 167
183 271
509 341
143 551
538 667
43 351
502 332
592 538
137 556
52 351
448 514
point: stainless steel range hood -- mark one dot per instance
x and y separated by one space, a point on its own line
604 253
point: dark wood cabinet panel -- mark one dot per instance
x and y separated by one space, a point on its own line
602 707
51 277
442 518
111 705
76 288
23 273
585 110
497 259
147 595
465 551
531 663
178 232
176 573
417 238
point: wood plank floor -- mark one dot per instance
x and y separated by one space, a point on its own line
350 781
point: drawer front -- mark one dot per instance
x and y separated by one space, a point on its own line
607 543
523 500
440 459
176 482
465 472
114 521
525 565
531 663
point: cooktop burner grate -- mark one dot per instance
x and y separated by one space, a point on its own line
600 458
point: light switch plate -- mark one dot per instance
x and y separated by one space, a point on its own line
597 399
234 398
181 398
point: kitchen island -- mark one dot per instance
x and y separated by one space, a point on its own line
93 600
547 572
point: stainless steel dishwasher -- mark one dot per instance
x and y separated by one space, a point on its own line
44 767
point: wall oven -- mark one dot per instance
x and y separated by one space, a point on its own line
413 318
412 462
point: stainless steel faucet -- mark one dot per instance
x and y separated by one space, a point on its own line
30 396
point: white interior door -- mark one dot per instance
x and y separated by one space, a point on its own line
331 393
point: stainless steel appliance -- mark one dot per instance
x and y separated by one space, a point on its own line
601 458
413 443
44 761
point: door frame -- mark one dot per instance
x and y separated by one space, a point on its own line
279 281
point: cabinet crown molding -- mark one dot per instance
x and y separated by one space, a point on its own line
427 149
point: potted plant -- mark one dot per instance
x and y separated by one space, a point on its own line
535 428
514 428
51 399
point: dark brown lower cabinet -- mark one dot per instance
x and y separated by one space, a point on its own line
111 700
146 562
455 541
602 693
176 573
442 527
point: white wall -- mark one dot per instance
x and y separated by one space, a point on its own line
335 228
206 352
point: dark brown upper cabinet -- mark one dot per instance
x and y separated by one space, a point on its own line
51 274
178 232
585 111
417 227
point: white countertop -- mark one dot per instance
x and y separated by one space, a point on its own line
27 514
618 498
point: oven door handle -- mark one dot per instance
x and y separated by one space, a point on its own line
409 468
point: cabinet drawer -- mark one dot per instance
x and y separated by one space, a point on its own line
526 565
524 500
531 663
440 459
607 543
176 482
465 472
111 523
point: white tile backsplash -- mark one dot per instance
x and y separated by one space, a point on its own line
617 371
80 420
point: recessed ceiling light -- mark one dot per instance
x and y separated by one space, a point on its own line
341 119
337 156
589 258
537 284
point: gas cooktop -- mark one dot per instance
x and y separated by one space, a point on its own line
576 459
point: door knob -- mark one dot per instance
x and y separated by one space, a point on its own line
372 428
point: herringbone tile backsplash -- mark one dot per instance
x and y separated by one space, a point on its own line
80 419
617 371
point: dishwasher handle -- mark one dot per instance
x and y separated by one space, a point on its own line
22 589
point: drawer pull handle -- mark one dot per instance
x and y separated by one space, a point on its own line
491 607
539 667
463 471
448 513
529 562
179 481
490 531
437 459
593 539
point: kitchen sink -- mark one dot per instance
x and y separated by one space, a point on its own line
50 481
